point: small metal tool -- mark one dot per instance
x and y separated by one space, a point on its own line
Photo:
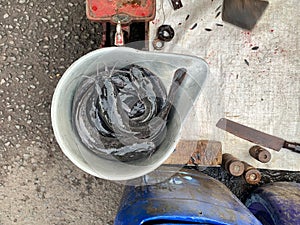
232 165
260 154
256 136
119 37
251 174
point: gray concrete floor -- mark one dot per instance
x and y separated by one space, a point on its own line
39 39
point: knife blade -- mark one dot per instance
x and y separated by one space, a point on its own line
256 136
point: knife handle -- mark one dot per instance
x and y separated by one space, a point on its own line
295 147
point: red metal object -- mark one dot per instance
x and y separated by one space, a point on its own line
125 11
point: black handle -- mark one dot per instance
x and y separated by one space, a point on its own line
295 147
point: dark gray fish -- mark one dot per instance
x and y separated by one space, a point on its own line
123 113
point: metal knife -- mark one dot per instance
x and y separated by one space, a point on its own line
256 136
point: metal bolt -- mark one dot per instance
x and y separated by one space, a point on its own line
251 175
232 165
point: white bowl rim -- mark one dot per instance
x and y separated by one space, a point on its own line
58 91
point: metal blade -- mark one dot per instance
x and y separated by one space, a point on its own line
251 134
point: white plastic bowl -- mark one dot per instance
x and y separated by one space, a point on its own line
164 66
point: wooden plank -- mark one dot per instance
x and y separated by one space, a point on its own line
202 153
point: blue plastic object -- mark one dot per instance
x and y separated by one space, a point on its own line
187 197
276 204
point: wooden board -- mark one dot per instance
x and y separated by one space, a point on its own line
202 153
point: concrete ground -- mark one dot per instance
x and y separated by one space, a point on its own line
39 39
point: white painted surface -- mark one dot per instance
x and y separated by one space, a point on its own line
264 95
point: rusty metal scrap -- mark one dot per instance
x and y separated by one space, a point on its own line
232 165
251 174
260 154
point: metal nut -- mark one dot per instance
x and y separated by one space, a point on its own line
260 154
251 175
158 44
232 165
